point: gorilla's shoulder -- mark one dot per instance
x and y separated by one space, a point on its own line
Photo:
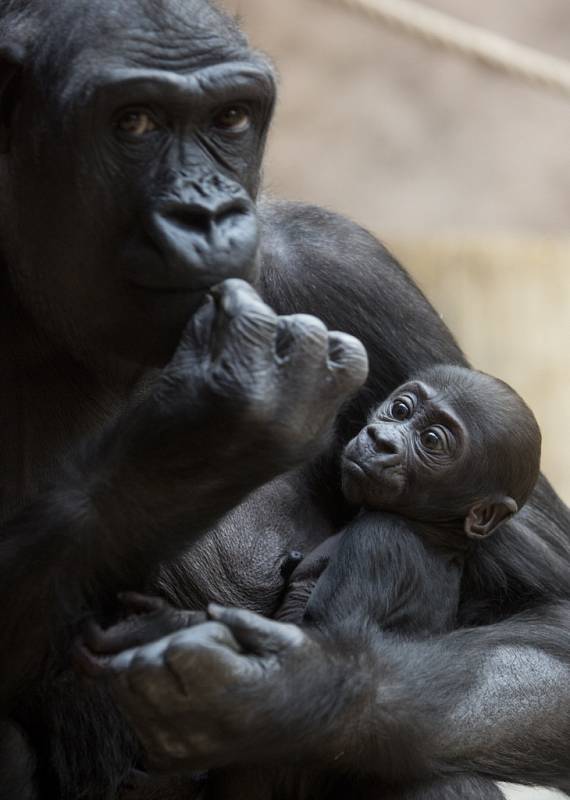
292 229
318 262
318 251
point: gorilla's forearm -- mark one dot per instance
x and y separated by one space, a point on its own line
493 700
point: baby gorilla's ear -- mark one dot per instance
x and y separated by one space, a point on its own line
484 517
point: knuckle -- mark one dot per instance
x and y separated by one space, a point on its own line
292 635
229 285
257 324
305 326
139 666
348 357
175 654
345 345
171 746
193 640
238 298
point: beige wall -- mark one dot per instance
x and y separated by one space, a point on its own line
406 138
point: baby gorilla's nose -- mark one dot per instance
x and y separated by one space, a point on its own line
385 445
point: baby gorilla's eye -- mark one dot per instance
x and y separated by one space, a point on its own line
400 410
136 122
432 440
233 119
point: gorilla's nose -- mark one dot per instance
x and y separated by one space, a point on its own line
387 451
205 219
207 240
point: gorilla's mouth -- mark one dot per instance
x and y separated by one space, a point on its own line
147 269
350 465
167 255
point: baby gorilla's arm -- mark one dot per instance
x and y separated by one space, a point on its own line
385 573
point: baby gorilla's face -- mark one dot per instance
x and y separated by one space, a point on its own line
403 459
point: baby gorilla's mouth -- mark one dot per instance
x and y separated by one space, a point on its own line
373 469
371 483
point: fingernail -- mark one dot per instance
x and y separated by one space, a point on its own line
216 611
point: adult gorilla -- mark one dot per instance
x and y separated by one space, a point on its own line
136 413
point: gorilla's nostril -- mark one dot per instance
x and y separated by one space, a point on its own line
201 220
197 220
232 213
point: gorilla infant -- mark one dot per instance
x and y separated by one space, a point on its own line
451 455
442 462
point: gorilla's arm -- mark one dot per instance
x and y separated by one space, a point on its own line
212 429
494 700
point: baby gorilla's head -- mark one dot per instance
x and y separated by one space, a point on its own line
451 446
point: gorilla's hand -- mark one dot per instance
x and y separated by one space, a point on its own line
248 382
228 691
247 396
149 619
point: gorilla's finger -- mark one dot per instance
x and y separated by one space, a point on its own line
254 632
244 331
207 655
87 663
349 361
197 335
125 635
300 336
235 297
137 603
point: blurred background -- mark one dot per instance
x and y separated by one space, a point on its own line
463 172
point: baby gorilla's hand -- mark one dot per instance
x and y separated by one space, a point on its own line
303 580
149 619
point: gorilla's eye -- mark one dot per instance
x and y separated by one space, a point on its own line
233 119
136 122
401 410
432 440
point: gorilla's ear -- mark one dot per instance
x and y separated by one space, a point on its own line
484 517
11 63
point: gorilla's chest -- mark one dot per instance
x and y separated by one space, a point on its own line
246 559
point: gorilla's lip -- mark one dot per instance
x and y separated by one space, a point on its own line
352 465
375 471
148 268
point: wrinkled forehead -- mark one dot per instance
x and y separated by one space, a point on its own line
456 398
171 30
170 35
